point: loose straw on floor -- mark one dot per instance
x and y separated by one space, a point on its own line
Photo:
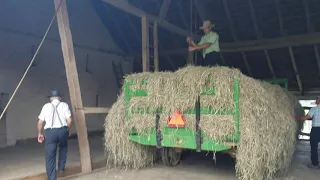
34 56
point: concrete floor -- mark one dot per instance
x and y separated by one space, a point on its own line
199 166
27 160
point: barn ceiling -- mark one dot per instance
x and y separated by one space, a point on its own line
237 21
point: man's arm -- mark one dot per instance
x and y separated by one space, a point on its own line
41 118
40 126
69 122
308 116
303 118
203 45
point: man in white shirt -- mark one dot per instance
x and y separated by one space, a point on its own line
57 118
314 115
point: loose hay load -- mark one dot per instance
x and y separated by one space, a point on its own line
267 128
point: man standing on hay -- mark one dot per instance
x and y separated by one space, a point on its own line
57 118
314 115
209 44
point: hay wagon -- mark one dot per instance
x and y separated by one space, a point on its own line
173 139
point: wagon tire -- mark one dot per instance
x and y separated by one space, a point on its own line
170 157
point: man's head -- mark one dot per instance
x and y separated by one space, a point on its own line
207 26
55 94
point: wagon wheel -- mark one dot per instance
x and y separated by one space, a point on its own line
170 157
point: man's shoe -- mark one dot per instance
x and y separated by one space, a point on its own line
313 166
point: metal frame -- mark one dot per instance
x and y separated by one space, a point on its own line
151 138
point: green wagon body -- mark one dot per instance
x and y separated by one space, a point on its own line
184 138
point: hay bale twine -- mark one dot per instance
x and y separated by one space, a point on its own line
267 128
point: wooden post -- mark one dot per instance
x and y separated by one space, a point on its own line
145 44
190 59
73 83
156 47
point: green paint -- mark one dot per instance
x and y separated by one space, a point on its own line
236 115
182 137
179 138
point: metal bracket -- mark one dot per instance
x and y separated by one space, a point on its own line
158 132
198 132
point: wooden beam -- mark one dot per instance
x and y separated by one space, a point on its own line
96 110
225 5
120 32
155 47
145 44
164 9
73 84
293 60
259 36
199 9
311 29
190 58
255 45
295 68
244 57
307 9
316 50
181 14
269 63
124 6
171 62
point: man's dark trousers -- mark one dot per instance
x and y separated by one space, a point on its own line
56 137
314 140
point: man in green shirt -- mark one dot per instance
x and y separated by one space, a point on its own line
209 44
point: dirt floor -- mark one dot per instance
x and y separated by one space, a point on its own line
201 166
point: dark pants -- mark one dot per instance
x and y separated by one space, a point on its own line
314 140
212 59
56 137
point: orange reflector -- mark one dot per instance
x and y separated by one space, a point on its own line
177 120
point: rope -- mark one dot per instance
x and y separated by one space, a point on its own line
34 56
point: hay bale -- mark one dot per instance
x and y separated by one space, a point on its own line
120 152
267 127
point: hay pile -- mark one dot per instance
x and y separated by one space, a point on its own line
267 127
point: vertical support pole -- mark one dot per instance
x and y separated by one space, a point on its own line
190 58
155 47
145 44
73 83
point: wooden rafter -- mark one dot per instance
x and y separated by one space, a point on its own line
311 29
134 28
125 6
121 33
199 10
293 60
254 45
181 13
164 9
244 57
259 36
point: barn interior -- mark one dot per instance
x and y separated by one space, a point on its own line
92 44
